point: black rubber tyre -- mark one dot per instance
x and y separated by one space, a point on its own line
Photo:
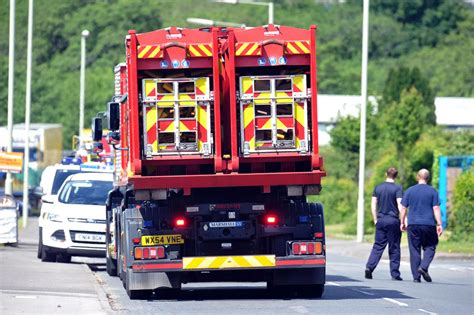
310 291
139 294
111 266
168 293
47 256
40 243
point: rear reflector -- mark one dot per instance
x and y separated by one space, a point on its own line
136 240
306 248
160 252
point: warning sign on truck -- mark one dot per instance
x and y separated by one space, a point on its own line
11 161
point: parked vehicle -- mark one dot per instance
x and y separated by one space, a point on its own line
216 134
74 225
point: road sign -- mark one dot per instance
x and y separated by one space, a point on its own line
11 161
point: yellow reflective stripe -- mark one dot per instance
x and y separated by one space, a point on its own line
194 51
302 47
155 52
192 263
290 47
243 262
149 86
201 84
241 49
217 262
251 50
205 50
202 120
298 80
266 261
170 128
267 125
144 51
248 115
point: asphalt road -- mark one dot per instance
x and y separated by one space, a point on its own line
30 286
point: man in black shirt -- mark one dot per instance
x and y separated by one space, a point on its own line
424 224
385 208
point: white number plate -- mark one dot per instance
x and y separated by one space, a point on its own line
90 237
226 224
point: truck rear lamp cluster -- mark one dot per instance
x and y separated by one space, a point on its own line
149 252
306 248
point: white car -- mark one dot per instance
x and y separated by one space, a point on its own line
75 224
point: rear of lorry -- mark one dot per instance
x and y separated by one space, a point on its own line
218 151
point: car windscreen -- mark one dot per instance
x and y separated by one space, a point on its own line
59 179
85 192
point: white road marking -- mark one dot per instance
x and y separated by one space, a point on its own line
395 301
403 263
26 297
333 283
364 292
73 294
427 312
299 309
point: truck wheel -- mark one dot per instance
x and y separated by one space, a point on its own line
139 294
40 243
47 256
111 267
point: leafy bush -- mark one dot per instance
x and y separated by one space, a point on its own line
463 207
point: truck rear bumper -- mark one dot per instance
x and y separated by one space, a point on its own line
265 262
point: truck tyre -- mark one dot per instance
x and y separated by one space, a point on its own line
40 243
111 266
135 294
47 256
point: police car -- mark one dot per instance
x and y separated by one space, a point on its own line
72 222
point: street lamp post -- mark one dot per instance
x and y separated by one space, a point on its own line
363 110
11 81
213 23
84 35
26 158
268 4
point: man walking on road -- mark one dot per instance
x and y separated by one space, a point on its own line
385 208
424 224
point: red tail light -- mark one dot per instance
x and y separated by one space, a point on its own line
146 253
319 235
296 249
180 222
160 252
271 219
310 248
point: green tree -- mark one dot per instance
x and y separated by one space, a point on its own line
405 121
463 207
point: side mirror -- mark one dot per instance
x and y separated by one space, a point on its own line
113 138
97 129
113 115
97 147
48 198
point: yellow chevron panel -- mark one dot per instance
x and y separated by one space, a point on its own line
241 49
291 48
224 262
201 84
248 115
263 98
246 84
205 50
298 80
155 52
165 101
149 86
252 50
302 47
144 51
194 51
186 100
202 120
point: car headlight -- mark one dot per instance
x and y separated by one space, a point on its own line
54 217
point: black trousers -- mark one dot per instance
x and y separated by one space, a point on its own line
421 237
387 230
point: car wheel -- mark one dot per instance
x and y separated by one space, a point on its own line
40 243
47 256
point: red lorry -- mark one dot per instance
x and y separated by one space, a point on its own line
216 137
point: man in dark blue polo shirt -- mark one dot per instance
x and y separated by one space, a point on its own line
385 208
424 224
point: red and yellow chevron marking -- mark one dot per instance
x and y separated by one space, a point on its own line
167 147
187 99
248 49
149 52
200 50
262 98
187 125
150 89
202 86
299 84
247 85
249 125
282 123
151 131
225 262
166 125
298 47
300 125
202 125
